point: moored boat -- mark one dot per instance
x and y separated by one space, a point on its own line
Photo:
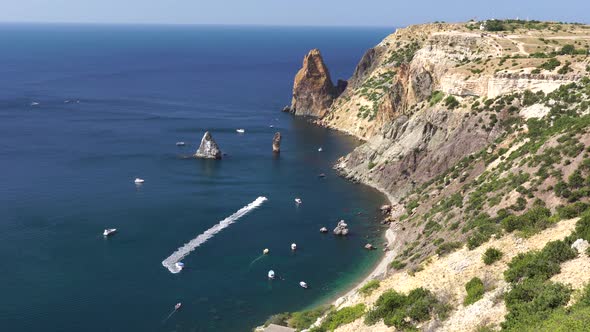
303 284
109 231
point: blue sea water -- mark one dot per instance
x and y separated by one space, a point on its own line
112 102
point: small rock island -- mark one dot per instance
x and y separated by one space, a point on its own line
208 148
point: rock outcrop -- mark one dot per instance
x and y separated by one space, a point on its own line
341 228
208 148
313 90
276 143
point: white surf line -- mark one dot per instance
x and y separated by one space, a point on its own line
182 252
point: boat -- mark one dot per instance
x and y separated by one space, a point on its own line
34 103
303 284
180 144
271 274
320 149
139 181
177 306
298 201
240 131
179 266
321 175
109 231
323 230
265 251
293 246
271 126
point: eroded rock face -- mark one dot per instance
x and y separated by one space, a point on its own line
313 90
276 143
208 148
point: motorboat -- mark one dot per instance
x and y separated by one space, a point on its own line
180 144
303 284
321 175
240 131
265 251
139 181
34 103
323 230
320 149
271 274
298 201
293 246
177 306
109 231
179 266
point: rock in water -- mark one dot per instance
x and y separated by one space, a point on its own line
341 228
276 143
313 90
208 148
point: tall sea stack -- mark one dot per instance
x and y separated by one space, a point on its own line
276 143
208 148
313 90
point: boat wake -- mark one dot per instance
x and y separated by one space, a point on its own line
182 252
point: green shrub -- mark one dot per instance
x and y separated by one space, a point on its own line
550 64
448 247
436 97
475 290
531 301
393 307
346 315
562 320
398 265
583 227
278 319
371 164
491 256
539 264
572 210
369 287
530 222
451 102
303 319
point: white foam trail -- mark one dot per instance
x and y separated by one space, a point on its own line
183 251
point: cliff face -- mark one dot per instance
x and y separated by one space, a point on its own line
410 98
313 90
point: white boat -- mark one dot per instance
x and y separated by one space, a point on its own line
271 126
109 231
323 230
320 150
303 284
293 246
265 251
179 266
34 103
177 306
241 131
180 144
139 181
298 200
271 274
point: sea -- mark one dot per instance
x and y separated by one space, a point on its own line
86 109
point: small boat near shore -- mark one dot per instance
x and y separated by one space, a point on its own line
139 181
265 251
320 149
109 231
271 274
177 305
303 284
179 266
293 246
180 143
298 201
240 131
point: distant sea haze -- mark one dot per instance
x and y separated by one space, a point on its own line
86 109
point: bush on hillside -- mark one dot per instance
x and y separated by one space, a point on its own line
491 256
475 290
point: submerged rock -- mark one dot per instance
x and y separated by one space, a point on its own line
208 148
313 90
369 246
276 143
341 228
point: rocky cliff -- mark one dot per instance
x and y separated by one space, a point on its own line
208 149
313 90
479 135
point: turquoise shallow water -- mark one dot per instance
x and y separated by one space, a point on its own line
112 102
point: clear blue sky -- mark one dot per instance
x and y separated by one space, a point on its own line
288 12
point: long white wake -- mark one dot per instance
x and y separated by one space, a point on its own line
182 252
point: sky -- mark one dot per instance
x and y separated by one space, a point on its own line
288 12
